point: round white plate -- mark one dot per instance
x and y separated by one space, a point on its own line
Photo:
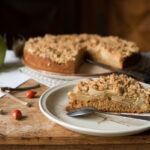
54 101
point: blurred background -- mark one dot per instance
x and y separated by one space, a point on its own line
129 19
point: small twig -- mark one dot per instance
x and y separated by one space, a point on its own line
15 98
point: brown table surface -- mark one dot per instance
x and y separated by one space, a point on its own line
35 131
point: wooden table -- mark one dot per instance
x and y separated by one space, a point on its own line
35 131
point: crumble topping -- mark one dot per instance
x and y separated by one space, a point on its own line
115 44
120 84
58 48
64 48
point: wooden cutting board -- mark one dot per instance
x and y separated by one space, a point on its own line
36 129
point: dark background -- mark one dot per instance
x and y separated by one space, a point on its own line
129 19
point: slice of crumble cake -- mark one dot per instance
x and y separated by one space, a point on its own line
112 93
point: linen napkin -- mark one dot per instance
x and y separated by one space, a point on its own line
9 74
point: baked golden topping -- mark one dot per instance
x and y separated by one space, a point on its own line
58 48
117 45
64 48
120 84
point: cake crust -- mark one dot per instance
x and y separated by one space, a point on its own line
47 64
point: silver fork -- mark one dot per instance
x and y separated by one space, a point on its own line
90 110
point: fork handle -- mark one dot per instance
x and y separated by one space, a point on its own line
147 118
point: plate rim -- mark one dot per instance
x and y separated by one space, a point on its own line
52 117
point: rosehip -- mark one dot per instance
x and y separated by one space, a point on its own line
30 94
16 114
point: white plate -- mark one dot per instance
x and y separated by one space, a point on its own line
53 102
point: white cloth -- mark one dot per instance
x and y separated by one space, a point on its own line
9 74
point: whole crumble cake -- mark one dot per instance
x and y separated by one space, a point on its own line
65 53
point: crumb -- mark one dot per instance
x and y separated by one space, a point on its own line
1 111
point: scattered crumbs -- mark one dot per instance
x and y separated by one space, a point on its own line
67 108
1 111
108 118
104 119
120 122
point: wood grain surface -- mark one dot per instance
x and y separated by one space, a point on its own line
36 129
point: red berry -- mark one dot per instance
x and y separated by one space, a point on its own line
16 114
30 94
